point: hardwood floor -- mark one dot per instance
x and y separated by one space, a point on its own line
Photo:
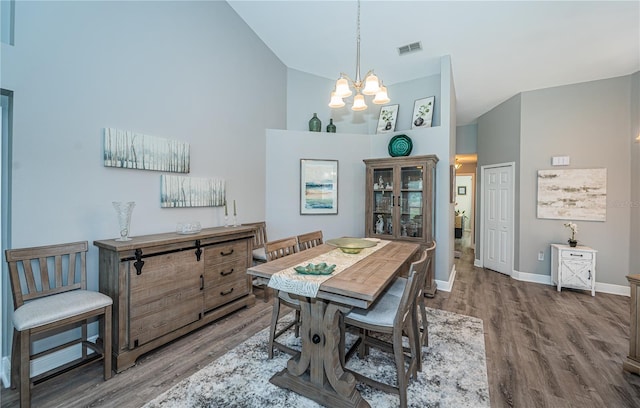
544 349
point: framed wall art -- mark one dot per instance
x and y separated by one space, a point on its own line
182 191
387 119
572 194
423 112
462 190
318 186
129 150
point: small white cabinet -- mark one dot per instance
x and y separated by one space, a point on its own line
574 267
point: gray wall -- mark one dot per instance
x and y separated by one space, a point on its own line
158 68
589 122
499 142
467 139
634 255
593 123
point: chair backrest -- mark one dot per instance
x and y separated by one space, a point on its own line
281 248
310 240
429 251
43 271
260 237
415 281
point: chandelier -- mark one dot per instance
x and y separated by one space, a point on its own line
370 86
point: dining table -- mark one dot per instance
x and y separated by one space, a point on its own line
358 280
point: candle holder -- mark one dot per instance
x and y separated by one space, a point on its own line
226 220
235 221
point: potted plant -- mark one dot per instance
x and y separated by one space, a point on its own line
574 230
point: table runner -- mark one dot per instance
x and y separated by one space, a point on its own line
290 281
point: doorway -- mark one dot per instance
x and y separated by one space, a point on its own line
497 222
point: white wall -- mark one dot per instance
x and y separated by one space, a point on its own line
158 68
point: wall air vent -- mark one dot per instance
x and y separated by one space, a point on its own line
413 47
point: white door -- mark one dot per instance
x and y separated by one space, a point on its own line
497 204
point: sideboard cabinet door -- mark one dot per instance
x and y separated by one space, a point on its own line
165 296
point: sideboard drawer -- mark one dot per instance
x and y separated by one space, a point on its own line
224 272
225 292
224 252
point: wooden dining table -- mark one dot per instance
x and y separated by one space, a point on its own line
317 372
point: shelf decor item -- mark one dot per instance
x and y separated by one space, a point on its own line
387 119
331 128
315 125
400 145
124 211
423 112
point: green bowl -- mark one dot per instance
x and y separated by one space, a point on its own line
351 245
318 269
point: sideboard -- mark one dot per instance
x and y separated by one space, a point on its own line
632 363
166 285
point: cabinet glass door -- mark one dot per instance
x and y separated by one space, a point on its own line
411 195
383 201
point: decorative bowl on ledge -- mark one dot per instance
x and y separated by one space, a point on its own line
186 228
351 245
318 269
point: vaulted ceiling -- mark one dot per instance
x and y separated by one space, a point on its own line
497 48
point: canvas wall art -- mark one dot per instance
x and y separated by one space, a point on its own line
318 186
573 194
181 191
131 150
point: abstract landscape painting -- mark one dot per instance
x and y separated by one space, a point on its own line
573 194
318 186
180 191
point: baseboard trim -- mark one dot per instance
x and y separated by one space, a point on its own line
447 285
531 277
546 280
45 363
477 263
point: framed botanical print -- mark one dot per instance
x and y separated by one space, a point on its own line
387 119
318 186
423 112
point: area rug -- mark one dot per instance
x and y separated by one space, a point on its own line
454 373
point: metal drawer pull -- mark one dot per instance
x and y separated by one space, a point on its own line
580 255
223 273
201 282
226 253
226 292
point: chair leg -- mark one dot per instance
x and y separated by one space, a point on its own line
106 343
25 361
398 354
297 326
274 323
415 341
424 337
84 340
15 360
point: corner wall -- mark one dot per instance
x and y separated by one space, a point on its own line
634 256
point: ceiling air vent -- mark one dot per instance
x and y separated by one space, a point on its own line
413 47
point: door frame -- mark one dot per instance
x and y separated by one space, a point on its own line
482 220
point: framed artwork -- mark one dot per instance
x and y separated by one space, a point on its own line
131 150
572 194
318 186
387 119
423 112
462 190
182 191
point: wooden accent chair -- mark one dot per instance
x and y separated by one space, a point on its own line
310 240
393 315
49 285
274 250
398 286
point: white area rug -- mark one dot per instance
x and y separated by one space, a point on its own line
454 373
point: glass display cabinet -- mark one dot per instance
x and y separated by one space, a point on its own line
400 202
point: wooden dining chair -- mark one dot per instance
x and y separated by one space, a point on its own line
310 240
49 286
394 315
397 287
274 250
259 239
